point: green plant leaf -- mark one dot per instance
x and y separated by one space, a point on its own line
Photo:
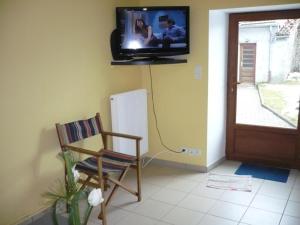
74 206
70 193
70 177
87 214
54 214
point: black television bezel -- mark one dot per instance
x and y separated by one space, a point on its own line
155 52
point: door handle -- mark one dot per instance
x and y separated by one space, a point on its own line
234 84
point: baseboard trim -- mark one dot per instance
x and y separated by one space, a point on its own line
215 164
162 162
30 219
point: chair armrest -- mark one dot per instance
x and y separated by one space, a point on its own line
122 135
82 150
136 138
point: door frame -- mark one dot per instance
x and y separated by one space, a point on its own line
231 127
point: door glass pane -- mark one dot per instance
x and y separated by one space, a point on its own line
268 80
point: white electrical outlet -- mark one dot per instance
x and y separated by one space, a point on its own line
190 151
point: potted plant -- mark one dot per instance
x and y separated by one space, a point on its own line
71 195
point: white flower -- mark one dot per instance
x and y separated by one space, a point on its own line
75 173
95 197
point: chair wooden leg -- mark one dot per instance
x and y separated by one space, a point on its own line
85 182
102 214
122 176
139 178
138 171
106 184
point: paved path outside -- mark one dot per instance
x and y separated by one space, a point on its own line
250 111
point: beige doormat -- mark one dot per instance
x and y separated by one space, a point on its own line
230 182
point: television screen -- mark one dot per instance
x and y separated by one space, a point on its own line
153 30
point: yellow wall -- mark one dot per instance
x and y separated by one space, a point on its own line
181 101
54 66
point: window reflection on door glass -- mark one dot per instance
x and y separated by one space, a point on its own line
268 80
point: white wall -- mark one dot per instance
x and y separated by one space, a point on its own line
217 86
281 58
271 56
260 36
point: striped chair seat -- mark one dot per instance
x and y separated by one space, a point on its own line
113 162
90 165
120 157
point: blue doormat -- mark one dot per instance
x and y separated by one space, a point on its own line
263 172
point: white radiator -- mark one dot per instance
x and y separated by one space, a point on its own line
129 116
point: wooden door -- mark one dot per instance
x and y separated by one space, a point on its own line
247 63
250 142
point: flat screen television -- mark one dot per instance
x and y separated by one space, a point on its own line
153 31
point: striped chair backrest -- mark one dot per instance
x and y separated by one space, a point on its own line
78 130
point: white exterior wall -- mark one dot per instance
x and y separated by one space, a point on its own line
281 59
271 57
260 36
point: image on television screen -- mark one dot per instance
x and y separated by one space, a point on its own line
162 29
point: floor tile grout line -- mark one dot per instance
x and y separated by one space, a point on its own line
156 219
204 213
287 201
149 197
270 196
220 217
207 213
251 202
265 210
177 204
186 194
190 209
216 201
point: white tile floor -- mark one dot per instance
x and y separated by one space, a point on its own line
180 197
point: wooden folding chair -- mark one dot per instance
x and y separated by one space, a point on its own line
101 164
